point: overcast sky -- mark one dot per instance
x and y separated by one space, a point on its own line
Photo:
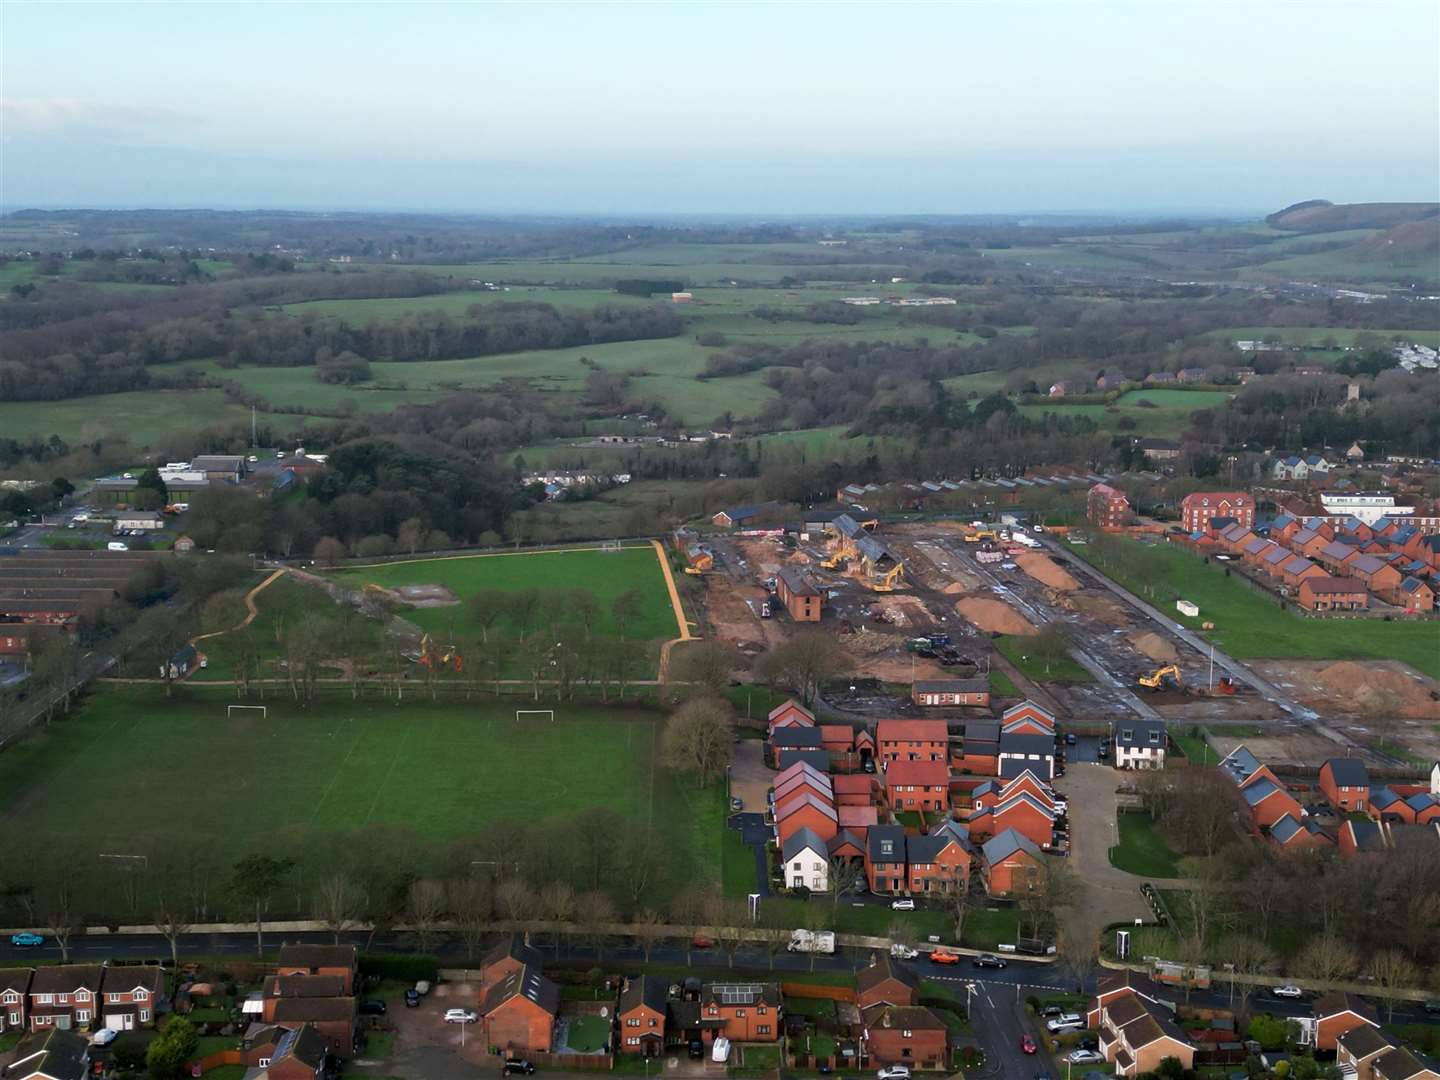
744 108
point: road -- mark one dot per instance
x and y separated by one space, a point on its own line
1027 976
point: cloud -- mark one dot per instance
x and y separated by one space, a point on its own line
78 116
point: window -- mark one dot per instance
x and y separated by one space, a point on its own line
653 1022
140 995
114 997
632 1022
44 999
905 1033
739 1013
144 1015
633 1040
82 1015
761 1012
763 1029
264 1063
15 1018
714 1011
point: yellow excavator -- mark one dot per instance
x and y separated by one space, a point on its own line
834 562
1165 678
890 580
435 658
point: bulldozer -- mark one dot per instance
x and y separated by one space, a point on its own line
1165 678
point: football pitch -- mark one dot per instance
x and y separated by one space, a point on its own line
133 771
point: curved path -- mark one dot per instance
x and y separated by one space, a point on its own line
250 609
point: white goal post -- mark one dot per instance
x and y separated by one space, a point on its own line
610 545
546 714
230 710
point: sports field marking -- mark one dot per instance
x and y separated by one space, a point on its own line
475 555
359 730
380 788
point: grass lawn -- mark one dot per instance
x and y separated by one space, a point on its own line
737 866
606 574
213 1044
587 1034
1196 749
1001 685
1142 850
1185 399
137 417
1066 670
379 1044
811 1008
9 1039
90 783
1250 625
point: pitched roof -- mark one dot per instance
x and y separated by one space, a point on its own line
644 990
951 686
1015 742
314 1010
844 837
797 736
1333 586
790 705
15 979
1398 1064
912 731
1338 1001
753 993
796 584
904 1017
1259 791
1001 847
63 978
304 1044
1297 564
1364 1040
982 731
853 783
317 955
1366 835
800 801
1127 979
800 840
525 982
886 843
1028 707
302 986
62 1055
921 773
801 768
1021 798
1140 732
856 817
514 948
1382 798
926 849
1348 772
880 970
1239 764
818 759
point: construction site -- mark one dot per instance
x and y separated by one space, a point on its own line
936 600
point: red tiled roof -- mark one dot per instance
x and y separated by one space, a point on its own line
912 731
919 773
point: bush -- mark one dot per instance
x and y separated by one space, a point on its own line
400 968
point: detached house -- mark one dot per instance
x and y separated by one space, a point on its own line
882 983
1346 784
1298 834
1335 1014
907 1035
912 740
791 713
1136 1034
131 995
1027 718
1027 753
338 960
518 1013
952 692
1115 985
742 1012
1011 864
1400 1064
806 858
510 956
939 862
1140 744
1020 811
641 1016
296 1054
918 785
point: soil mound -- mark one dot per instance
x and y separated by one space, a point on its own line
1046 571
1100 608
1365 688
1157 648
993 616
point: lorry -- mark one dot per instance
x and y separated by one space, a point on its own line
812 941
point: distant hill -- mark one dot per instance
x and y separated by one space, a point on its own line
1319 215
1404 243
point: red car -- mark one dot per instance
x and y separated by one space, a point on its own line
1027 1044
700 941
944 958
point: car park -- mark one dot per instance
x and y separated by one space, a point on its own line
460 1016
988 960
26 940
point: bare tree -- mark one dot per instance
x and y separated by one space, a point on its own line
698 739
557 903
707 664
844 875
1326 958
470 901
424 906
173 925
1393 970
645 921
338 901
1244 957
597 914
804 662
515 899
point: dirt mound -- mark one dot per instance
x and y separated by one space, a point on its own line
1364 688
955 588
1100 608
1157 648
993 616
426 595
1046 571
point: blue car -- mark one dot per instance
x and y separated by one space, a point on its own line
26 939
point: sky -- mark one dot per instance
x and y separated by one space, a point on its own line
1156 106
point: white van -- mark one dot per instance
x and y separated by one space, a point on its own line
116 545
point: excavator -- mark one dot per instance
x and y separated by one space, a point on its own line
889 581
435 658
1165 678
834 562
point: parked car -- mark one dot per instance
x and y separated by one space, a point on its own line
26 940
422 987
412 999
371 1008
894 1072
700 941
903 952
720 1050
1432 1007
523 1067
988 960
1084 1057
902 905
460 1016
104 1037
737 804
1027 1044
1066 1022
1048 1011
697 1049
1069 738
944 958
1288 991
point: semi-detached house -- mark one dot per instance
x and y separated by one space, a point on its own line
918 785
1137 1034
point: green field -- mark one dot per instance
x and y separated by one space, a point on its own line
132 771
1016 650
1249 625
606 574
1141 850
1189 400
138 417
1161 420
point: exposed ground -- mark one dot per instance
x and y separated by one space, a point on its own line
1161 650
1046 571
1284 744
993 616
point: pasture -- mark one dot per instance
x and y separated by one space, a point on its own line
1249 625
106 779
606 574
138 417
1189 400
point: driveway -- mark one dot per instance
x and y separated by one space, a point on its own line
1105 894
750 778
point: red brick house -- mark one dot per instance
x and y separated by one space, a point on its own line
912 740
799 779
1346 784
517 1014
1336 1013
1298 834
289 1053
1298 568
1011 864
742 1012
980 751
14 991
885 859
509 956
1197 509
1400 1063
855 789
951 692
1415 595
906 1035
1377 574
1136 1034
130 996
339 960
839 739
1022 812
58 1055
1027 718
801 599
806 811
65 996
939 862
1268 801
1106 507
882 983
993 792
333 1018
1358 1048
917 785
1115 985
790 714
1333 594
641 1016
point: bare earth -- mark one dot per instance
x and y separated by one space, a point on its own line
1047 571
993 615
